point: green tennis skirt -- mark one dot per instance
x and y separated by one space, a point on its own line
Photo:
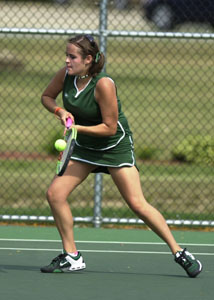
121 155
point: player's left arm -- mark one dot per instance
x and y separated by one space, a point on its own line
105 95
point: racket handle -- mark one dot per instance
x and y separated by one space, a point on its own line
68 122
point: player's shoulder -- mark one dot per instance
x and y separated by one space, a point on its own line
102 75
104 80
60 75
61 72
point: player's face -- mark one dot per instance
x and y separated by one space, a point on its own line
75 64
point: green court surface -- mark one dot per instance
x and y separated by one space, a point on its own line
121 264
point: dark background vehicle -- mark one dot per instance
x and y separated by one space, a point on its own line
166 14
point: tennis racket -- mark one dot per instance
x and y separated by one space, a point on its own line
70 135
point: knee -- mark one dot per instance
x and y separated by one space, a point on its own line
50 196
139 206
54 197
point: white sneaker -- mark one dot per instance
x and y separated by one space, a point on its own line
188 262
65 263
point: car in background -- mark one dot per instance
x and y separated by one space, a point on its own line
166 14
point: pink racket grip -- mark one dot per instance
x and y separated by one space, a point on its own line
68 122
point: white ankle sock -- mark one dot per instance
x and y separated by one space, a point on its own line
74 254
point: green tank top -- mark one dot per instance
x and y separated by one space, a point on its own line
86 111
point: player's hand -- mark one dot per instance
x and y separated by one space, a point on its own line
64 115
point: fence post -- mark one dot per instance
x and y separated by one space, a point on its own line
99 177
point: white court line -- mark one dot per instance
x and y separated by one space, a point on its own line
101 251
103 242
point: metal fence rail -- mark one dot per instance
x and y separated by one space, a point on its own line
165 81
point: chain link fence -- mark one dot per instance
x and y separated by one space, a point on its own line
164 70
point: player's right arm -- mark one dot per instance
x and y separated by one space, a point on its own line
50 94
52 91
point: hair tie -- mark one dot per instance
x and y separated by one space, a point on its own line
97 57
57 109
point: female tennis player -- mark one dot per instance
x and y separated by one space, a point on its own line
104 144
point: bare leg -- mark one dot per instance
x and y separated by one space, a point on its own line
128 183
57 195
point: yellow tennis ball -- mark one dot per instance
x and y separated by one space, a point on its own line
60 145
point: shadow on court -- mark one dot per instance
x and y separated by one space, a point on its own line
5 268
